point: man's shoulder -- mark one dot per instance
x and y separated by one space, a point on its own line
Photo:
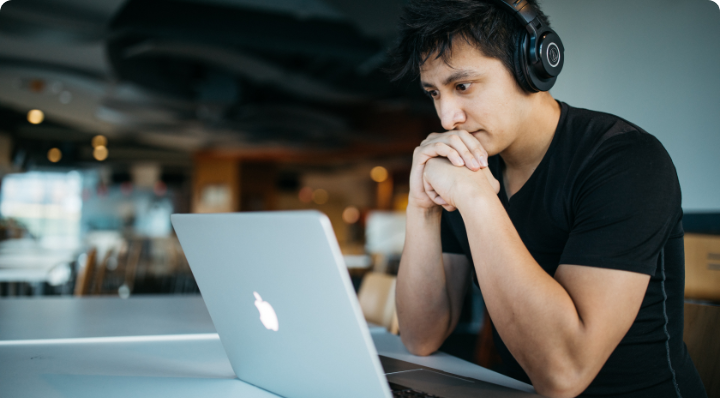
594 126
586 133
596 148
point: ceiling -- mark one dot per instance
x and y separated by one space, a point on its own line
185 76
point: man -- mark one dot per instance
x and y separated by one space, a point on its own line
569 219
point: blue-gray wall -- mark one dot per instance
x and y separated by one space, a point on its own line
657 64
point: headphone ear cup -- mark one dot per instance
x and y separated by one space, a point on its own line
521 66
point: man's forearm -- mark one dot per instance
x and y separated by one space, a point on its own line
421 296
533 313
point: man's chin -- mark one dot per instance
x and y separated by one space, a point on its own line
486 142
481 135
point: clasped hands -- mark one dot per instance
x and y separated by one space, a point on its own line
446 168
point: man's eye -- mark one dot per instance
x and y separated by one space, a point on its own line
431 93
462 86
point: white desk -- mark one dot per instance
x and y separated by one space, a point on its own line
69 317
167 347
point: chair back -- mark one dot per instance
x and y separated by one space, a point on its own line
85 273
701 330
135 249
99 278
377 300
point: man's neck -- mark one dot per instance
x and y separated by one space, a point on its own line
534 137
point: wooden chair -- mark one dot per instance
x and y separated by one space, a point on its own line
702 325
84 279
377 300
135 249
99 278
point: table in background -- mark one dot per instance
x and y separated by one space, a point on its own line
28 261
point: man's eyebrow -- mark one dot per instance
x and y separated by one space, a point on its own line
457 75
461 74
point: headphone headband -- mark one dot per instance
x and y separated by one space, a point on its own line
521 9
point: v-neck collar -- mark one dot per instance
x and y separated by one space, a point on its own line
548 154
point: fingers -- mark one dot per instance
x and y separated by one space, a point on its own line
430 137
436 149
458 146
433 195
438 200
474 150
449 152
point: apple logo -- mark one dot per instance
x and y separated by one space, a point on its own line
267 313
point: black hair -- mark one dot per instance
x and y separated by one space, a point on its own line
428 27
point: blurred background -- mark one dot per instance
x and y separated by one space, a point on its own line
116 113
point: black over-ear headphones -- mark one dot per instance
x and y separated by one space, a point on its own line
540 54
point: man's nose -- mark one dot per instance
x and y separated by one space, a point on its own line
451 114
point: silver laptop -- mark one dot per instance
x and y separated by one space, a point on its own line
282 302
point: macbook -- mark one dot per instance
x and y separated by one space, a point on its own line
282 302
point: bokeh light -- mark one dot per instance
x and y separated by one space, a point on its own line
37 85
54 155
35 116
65 97
305 195
99 140
320 196
379 174
100 153
351 215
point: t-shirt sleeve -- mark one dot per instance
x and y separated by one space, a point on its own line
625 203
450 242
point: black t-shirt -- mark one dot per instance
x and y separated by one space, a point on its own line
606 194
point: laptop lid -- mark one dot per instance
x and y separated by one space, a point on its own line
280 297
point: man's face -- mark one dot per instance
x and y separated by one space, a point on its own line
478 94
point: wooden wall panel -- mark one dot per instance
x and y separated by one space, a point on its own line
701 331
702 267
216 185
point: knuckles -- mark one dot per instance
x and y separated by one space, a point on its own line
430 137
456 140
